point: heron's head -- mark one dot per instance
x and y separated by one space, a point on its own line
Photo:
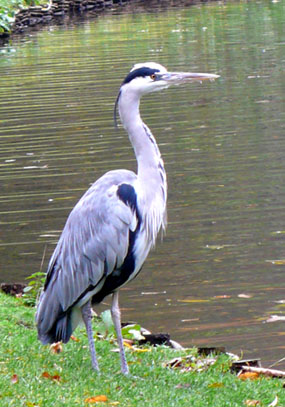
150 77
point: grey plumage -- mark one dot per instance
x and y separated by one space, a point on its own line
110 231
93 243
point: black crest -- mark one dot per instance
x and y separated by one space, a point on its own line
140 72
137 73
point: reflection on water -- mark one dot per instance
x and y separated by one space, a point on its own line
217 276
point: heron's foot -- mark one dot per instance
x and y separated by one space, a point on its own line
125 370
95 366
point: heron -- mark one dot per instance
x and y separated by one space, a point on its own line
110 231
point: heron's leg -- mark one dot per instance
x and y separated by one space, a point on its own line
86 315
116 315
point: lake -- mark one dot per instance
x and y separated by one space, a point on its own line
218 274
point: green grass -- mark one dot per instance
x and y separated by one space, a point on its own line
150 383
8 9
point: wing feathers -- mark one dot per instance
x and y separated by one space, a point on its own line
93 243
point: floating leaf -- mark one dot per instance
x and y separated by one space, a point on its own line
280 262
275 318
96 399
14 379
217 247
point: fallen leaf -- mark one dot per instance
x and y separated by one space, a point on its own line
183 386
140 350
96 399
252 403
190 320
46 375
277 262
74 338
175 362
128 345
132 331
274 402
14 379
56 347
215 385
128 341
55 377
217 247
249 375
134 348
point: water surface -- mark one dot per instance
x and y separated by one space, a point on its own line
218 275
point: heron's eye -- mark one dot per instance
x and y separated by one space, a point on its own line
153 76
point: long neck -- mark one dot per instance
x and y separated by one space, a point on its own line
150 163
151 173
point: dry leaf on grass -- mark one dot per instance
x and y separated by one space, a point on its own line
249 375
96 399
133 348
74 338
216 385
55 377
274 402
56 347
14 379
252 403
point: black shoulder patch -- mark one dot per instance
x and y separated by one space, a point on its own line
127 194
140 72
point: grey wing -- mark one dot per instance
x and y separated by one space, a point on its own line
94 241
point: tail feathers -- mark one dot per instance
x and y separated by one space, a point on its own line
53 323
61 330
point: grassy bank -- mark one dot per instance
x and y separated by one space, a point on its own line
8 10
31 375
